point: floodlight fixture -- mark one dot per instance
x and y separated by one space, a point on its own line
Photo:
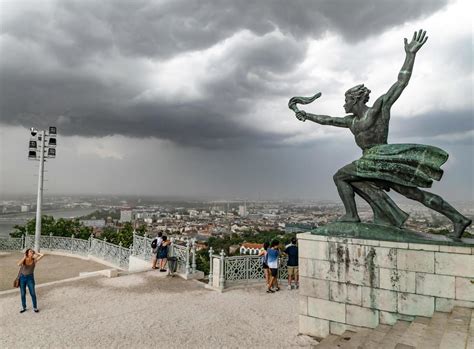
32 155
52 142
33 131
32 145
52 130
51 152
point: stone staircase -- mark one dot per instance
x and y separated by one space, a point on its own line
453 330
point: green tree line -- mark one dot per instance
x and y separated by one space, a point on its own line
69 227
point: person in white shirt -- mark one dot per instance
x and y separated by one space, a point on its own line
155 244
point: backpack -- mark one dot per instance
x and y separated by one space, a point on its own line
154 243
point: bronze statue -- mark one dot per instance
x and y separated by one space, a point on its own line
402 167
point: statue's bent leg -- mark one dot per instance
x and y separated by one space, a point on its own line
437 203
342 178
386 212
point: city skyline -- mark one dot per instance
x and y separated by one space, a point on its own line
189 99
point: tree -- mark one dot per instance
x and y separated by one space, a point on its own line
61 227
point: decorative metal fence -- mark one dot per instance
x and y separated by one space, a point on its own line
11 244
235 269
141 247
60 243
245 268
224 270
115 254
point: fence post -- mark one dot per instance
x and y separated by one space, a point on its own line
193 264
187 257
22 242
222 271
120 254
90 244
247 268
144 246
171 253
133 242
50 239
210 266
72 243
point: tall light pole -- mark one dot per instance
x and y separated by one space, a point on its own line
40 150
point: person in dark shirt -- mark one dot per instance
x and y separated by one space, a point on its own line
292 251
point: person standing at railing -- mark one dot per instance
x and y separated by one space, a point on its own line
155 244
27 267
273 254
266 270
292 252
163 253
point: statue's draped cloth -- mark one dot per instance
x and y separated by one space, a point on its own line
412 165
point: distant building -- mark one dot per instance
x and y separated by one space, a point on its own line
193 213
25 208
243 211
250 248
233 249
94 223
125 216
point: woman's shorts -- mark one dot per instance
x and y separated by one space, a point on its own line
265 266
274 272
292 271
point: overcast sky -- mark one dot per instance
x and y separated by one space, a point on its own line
190 98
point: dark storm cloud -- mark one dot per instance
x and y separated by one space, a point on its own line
164 28
54 67
449 124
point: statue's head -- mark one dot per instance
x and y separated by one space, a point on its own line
354 95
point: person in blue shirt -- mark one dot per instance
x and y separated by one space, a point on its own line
292 251
273 254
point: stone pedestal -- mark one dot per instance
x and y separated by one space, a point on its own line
346 283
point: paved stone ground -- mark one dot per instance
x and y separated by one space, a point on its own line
145 310
49 268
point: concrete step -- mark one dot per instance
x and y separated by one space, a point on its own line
393 336
442 331
327 342
352 340
456 333
470 338
376 336
414 332
431 336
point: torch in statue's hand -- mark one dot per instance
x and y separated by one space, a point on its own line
301 114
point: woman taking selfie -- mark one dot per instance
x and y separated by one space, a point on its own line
27 267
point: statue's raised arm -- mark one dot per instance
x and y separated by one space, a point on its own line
418 40
320 119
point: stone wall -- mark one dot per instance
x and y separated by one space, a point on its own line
349 283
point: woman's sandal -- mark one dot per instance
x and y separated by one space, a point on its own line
22 310
270 291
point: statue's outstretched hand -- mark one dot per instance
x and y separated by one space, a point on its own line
301 115
417 41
